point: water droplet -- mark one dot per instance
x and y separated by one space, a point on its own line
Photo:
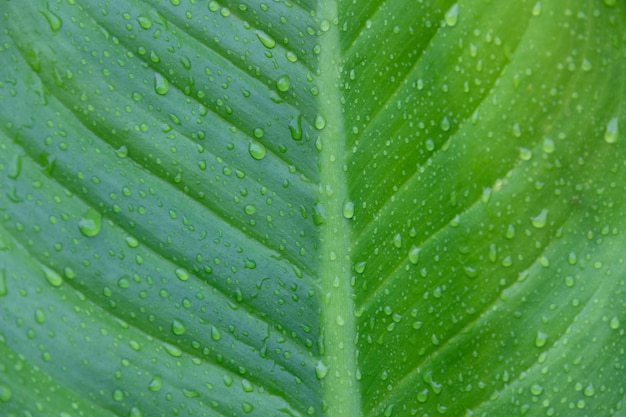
136 412
348 209
445 124
182 274
291 56
414 254
548 145
145 22
422 396
397 240
173 350
191 393
156 383
540 220
320 122
178 327
249 209
5 393
525 154
257 150
536 9
536 389
216 334
161 85
246 385
586 65
321 370
3 282
131 241
610 3
614 323
247 407
282 83
612 131
54 21
452 15
295 127
122 151
40 315
266 39
90 222
360 267
541 339
51 276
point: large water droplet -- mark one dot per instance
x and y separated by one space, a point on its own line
257 150
90 222
282 83
54 21
5 393
320 122
295 127
216 334
156 383
414 254
178 327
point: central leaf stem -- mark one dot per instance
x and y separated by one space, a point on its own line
338 369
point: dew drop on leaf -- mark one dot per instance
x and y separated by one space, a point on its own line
54 21
216 334
541 339
161 85
178 327
51 276
320 122
452 15
612 131
257 150
5 393
321 370
155 384
90 222
266 39
3 282
145 22
539 221
536 9
182 274
282 83
614 323
348 209
135 412
295 127
414 254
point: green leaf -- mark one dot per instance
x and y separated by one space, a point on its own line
312 208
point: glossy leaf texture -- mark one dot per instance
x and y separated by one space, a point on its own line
312 208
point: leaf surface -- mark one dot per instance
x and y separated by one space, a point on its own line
322 208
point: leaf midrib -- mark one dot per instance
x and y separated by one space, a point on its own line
340 385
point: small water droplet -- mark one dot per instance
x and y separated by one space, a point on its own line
612 131
536 389
321 370
161 85
182 274
5 393
397 240
548 145
414 254
131 241
348 209
266 39
249 209
445 124
3 282
155 384
178 327
452 15
54 21
257 150
246 385
135 412
282 83
216 334
536 9
145 22
539 221
90 222
51 276
173 350
360 267
320 122
295 127
40 315
541 339
247 407
614 323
